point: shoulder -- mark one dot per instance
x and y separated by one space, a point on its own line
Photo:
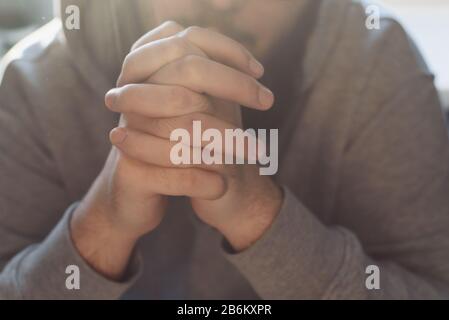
389 72
31 54
38 77
382 45
363 41
35 67
45 101
375 56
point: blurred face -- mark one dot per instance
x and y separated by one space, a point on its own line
257 24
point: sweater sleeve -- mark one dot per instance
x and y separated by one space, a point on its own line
40 271
392 211
35 210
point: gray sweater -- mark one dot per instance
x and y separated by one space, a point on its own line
364 167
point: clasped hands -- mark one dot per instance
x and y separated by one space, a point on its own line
172 77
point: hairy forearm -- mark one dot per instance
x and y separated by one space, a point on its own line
255 221
106 249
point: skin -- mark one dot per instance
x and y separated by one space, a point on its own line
255 24
173 75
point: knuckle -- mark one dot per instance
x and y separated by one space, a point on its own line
139 43
191 32
179 47
198 116
191 66
187 121
162 127
201 103
165 126
192 60
126 66
173 26
123 95
136 45
127 61
180 97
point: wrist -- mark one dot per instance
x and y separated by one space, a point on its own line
101 243
96 219
254 221
96 213
103 247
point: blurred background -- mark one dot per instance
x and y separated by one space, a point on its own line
20 17
426 20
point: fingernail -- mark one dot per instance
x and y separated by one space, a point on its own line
266 97
256 67
110 98
118 135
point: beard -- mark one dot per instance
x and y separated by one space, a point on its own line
222 21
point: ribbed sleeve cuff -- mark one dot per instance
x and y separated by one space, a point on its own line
297 258
42 272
